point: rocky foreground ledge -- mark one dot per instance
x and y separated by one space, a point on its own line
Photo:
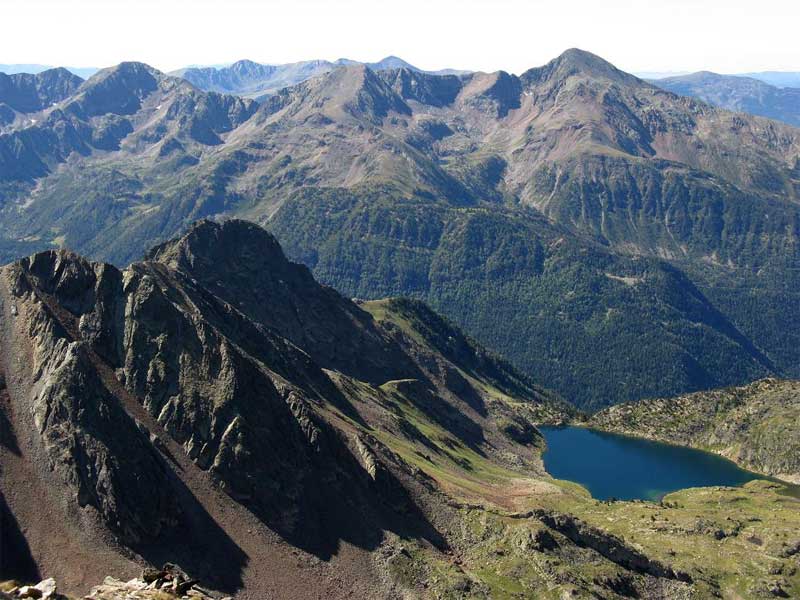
168 583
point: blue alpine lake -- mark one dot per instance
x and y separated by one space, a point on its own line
628 468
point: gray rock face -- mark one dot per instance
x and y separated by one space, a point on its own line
235 417
89 439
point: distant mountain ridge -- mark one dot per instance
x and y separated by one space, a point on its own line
33 69
742 94
777 78
25 93
258 81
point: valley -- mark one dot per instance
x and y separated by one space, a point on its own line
597 215
303 445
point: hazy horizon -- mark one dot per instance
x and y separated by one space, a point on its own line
512 35
86 71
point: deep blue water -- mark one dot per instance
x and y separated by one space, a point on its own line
628 468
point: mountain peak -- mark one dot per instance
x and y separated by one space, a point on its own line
581 57
208 245
59 72
118 90
245 62
245 265
577 62
127 69
29 93
247 67
392 62
354 90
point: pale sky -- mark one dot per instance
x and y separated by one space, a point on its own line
727 36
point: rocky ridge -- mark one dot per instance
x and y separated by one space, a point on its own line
126 373
22 94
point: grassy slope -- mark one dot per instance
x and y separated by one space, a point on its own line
496 555
494 538
731 541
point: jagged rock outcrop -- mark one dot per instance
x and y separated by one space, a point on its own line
88 438
609 546
153 584
217 362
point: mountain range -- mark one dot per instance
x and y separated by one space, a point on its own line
33 69
612 239
258 81
740 94
777 78
214 406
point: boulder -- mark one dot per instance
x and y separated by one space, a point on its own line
47 587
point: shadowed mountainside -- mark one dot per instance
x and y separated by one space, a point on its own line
146 389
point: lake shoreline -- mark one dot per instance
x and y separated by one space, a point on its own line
622 465
754 425
790 480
